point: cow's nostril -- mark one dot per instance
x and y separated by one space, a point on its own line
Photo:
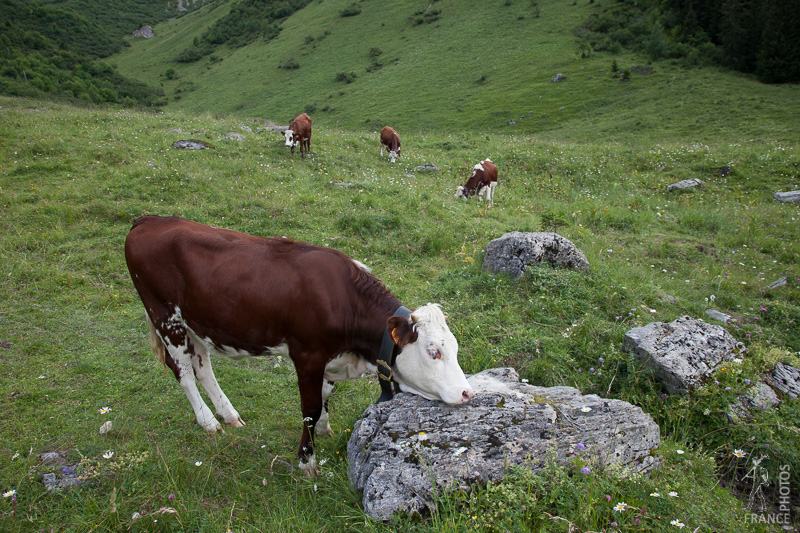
467 395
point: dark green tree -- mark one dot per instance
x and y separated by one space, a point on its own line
778 57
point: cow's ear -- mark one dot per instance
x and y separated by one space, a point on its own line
283 132
401 331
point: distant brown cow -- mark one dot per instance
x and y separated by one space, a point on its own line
482 182
299 132
391 140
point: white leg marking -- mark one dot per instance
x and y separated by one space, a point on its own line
205 375
183 359
323 424
310 467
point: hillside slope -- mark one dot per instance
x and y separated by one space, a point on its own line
449 65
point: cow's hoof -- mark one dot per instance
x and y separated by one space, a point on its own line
236 422
309 467
214 428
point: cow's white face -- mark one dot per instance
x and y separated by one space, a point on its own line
392 156
428 365
289 134
461 192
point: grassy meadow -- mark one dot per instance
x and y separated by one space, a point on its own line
74 352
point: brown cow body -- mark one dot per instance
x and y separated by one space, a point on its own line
391 140
299 132
210 291
482 182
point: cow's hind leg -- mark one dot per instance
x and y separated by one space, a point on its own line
324 425
201 364
178 357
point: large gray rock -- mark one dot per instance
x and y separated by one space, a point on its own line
791 196
514 251
682 352
404 451
786 379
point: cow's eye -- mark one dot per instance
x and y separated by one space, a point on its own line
434 353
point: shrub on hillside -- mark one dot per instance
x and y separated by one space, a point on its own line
347 77
351 11
289 64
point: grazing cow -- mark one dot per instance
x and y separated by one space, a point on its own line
299 132
482 182
211 291
391 140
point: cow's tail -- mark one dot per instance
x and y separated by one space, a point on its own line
156 344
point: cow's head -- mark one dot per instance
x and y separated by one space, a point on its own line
289 135
427 363
393 154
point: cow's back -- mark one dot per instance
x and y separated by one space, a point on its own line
301 125
246 291
390 138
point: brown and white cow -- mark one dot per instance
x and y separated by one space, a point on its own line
211 291
299 132
391 140
482 182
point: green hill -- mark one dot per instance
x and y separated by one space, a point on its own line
447 65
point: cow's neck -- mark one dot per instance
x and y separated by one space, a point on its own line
386 357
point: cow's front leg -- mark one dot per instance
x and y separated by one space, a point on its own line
310 383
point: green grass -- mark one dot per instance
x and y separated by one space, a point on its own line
478 66
73 338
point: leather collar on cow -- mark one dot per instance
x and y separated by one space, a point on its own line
386 359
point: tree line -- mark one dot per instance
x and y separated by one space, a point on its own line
247 21
760 37
51 49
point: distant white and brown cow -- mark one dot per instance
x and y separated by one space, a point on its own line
391 140
211 291
482 182
299 132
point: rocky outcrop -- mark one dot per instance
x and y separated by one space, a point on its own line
718 316
785 379
777 284
791 196
682 352
403 451
685 184
144 31
514 251
191 144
